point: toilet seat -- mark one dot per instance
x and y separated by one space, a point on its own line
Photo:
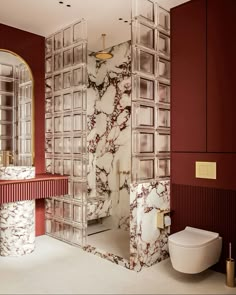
193 250
192 237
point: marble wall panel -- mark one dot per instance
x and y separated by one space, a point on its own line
148 244
109 130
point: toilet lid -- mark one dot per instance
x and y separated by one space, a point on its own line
193 237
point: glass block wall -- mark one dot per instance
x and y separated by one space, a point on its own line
65 125
150 91
24 117
16 113
7 107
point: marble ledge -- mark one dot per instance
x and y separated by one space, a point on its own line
42 186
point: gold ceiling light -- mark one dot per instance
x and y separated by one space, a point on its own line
103 55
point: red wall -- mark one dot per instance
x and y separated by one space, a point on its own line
31 48
203 126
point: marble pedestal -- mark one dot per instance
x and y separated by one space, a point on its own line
17 228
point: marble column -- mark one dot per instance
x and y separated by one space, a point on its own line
17 228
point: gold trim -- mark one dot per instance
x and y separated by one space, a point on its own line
33 102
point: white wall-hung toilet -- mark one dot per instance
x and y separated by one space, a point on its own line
193 250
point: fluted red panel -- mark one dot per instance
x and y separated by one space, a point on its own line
206 208
30 190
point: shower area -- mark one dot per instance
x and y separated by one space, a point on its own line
108 128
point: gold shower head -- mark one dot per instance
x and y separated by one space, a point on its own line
103 55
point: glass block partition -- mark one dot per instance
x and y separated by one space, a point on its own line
65 125
8 80
150 91
16 113
24 117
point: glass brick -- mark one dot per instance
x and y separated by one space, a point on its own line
49 165
49 209
77 170
147 62
146 169
78 31
67 232
48 226
48 145
143 142
164 69
48 125
163 167
143 169
48 85
77 122
78 76
147 119
67 81
58 209
57 145
77 145
67 145
28 145
67 170
78 54
146 9
67 123
48 46
164 19
67 58
164 45
77 236
147 36
78 99
67 210
57 82
67 36
164 93
163 117
58 229
58 169
77 213
147 89
28 108
48 65
67 101
58 41
57 62
57 124
57 103
163 142
48 105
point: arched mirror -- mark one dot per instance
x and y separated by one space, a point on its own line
16 111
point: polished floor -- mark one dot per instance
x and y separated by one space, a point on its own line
112 241
58 268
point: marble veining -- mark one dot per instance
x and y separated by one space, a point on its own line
109 131
17 172
148 244
98 208
108 256
17 228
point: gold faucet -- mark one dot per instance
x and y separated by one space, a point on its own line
7 158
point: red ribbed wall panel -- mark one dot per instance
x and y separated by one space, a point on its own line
206 208
32 189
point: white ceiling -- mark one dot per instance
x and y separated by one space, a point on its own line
44 17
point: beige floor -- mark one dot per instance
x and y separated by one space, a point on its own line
112 241
58 268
